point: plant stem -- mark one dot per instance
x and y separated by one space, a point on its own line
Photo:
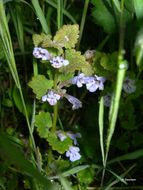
59 13
122 66
82 22
101 127
55 106
59 24
55 117
27 120
103 42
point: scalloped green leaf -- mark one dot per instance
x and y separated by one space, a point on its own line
47 40
105 64
67 36
40 84
56 144
77 62
37 39
43 40
109 61
43 122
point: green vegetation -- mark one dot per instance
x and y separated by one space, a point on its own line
71 94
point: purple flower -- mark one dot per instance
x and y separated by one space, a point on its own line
74 101
107 99
61 136
58 62
74 137
79 80
129 85
51 97
94 83
73 153
41 53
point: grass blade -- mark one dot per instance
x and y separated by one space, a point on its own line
129 156
66 13
40 16
7 45
119 178
115 103
16 16
8 51
10 152
66 185
101 126
74 170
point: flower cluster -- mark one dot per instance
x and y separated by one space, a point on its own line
44 54
58 62
41 53
51 97
129 85
74 137
62 136
73 152
92 82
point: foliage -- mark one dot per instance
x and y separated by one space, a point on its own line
71 113
40 85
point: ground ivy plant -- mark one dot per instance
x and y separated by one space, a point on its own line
64 67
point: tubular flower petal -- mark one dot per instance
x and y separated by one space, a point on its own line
74 137
61 136
74 101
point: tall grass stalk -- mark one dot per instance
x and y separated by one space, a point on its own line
40 16
8 51
59 13
101 127
16 15
66 13
122 66
120 178
82 22
35 71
